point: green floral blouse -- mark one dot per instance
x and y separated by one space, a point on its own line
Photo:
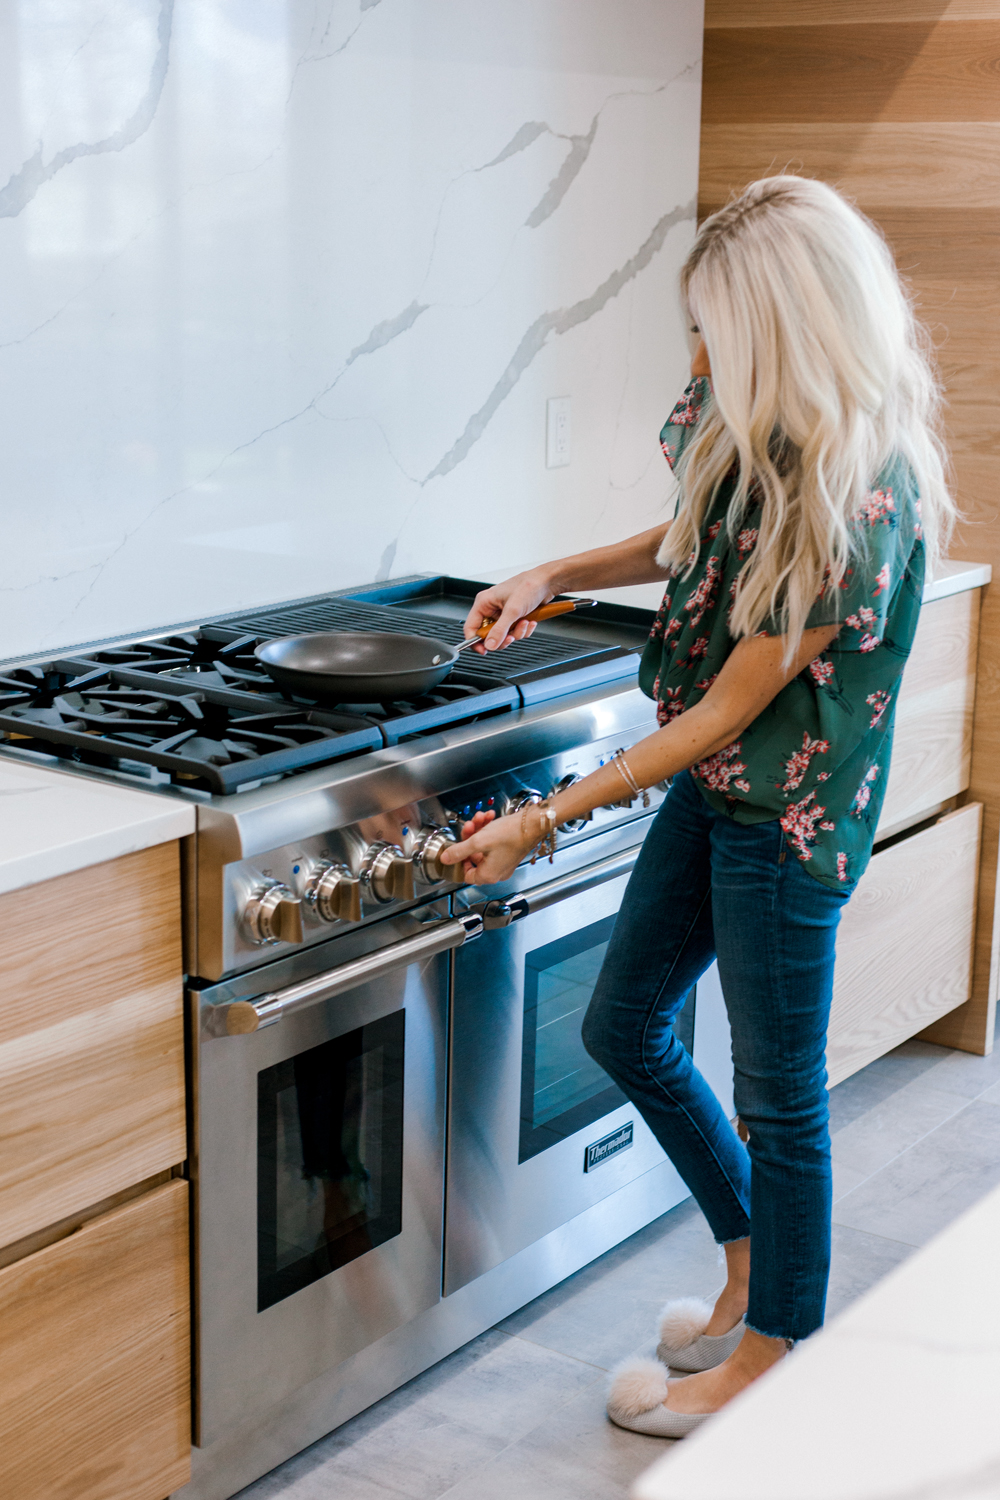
818 756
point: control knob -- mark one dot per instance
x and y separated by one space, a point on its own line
524 798
274 915
387 873
427 857
334 894
575 824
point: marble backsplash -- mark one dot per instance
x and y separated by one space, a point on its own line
285 286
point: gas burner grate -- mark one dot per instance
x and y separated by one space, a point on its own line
198 707
522 661
199 736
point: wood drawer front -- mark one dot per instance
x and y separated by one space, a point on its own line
904 949
932 745
95 1333
91 1038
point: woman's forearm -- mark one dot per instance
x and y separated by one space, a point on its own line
754 674
690 738
630 561
505 605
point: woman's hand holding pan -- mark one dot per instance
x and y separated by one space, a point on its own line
507 604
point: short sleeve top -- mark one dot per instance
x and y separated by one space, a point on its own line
818 755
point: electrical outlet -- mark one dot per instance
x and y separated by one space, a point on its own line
558 431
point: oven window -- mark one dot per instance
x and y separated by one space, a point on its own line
562 1088
329 1157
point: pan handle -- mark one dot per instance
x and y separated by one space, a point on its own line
544 612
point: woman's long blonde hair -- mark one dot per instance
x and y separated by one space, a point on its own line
820 375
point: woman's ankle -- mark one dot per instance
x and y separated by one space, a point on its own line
730 1306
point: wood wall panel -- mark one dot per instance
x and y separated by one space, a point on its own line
721 13
896 71
91 1038
95 1330
897 103
897 167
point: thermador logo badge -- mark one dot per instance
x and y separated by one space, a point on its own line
607 1147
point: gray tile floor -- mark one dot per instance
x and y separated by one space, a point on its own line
520 1411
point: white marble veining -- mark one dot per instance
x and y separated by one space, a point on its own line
53 822
284 289
895 1400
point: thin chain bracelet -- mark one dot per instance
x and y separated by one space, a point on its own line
624 770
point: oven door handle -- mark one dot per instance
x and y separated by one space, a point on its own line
502 913
243 1016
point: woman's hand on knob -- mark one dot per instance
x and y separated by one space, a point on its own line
491 848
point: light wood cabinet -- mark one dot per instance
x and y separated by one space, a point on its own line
91 1038
932 743
94 1329
905 945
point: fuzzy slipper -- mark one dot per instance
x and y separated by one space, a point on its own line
635 1400
684 1344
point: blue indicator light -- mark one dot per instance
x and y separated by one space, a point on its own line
295 869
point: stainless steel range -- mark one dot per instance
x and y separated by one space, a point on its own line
397 1137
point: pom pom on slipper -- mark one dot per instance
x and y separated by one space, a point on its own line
637 1385
682 1321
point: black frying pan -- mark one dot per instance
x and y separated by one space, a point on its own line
372 666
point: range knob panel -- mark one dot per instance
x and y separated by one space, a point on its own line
334 893
274 915
387 874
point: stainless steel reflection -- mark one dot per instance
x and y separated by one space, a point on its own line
497 1203
249 1360
336 878
281 833
240 1017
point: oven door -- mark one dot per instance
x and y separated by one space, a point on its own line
538 1133
319 1164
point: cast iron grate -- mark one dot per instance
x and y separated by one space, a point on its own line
197 709
524 658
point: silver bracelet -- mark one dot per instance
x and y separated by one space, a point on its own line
623 768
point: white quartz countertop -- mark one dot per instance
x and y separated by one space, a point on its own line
52 822
895 1400
952 577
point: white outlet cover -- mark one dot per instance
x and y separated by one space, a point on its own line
558 431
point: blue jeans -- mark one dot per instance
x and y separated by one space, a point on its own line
706 887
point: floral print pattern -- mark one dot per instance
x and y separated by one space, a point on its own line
723 769
879 701
797 766
817 758
799 822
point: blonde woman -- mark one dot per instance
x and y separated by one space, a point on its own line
811 499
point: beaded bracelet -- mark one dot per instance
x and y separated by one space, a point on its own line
547 843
